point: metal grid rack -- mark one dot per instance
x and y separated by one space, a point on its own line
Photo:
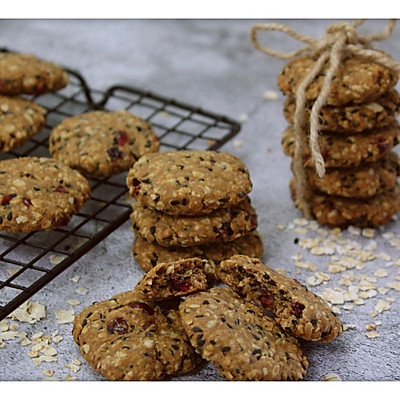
29 261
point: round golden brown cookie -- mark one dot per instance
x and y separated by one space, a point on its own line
363 181
102 143
19 120
127 339
239 339
25 73
189 182
39 194
335 211
296 309
148 255
176 279
353 117
222 225
357 80
347 151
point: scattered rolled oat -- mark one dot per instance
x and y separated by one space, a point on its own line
331 377
270 95
65 317
82 290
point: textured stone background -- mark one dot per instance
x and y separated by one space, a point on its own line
211 64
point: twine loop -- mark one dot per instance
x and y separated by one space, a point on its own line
340 40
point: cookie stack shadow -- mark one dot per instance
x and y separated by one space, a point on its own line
358 132
191 203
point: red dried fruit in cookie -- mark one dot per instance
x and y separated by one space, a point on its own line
142 306
6 199
60 189
27 201
121 138
118 325
181 285
136 184
297 309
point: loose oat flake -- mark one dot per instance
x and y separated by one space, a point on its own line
65 316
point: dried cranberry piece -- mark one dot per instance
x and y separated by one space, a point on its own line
136 184
297 309
143 306
115 153
382 147
118 325
180 285
27 201
121 138
253 221
148 323
225 232
60 189
5 201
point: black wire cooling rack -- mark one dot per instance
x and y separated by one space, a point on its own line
29 261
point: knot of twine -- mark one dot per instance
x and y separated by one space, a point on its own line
340 39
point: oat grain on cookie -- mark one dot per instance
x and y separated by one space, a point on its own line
189 182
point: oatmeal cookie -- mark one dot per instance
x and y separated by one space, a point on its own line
296 309
176 279
335 211
345 151
222 225
352 118
39 194
148 255
125 338
357 80
20 119
102 143
239 339
360 182
26 73
189 182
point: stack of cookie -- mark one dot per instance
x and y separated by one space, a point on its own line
20 74
191 203
358 132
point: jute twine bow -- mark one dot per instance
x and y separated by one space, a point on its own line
340 39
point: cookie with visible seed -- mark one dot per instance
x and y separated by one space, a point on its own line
102 143
345 151
357 80
364 181
239 339
222 225
353 117
335 211
125 338
20 119
176 279
39 194
189 182
148 255
28 74
296 309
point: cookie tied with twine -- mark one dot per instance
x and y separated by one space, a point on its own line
340 41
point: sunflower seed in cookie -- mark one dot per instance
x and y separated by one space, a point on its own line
20 119
296 309
239 339
189 182
28 74
39 194
148 255
125 338
102 143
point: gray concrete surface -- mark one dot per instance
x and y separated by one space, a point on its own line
211 64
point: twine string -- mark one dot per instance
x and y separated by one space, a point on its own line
340 39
